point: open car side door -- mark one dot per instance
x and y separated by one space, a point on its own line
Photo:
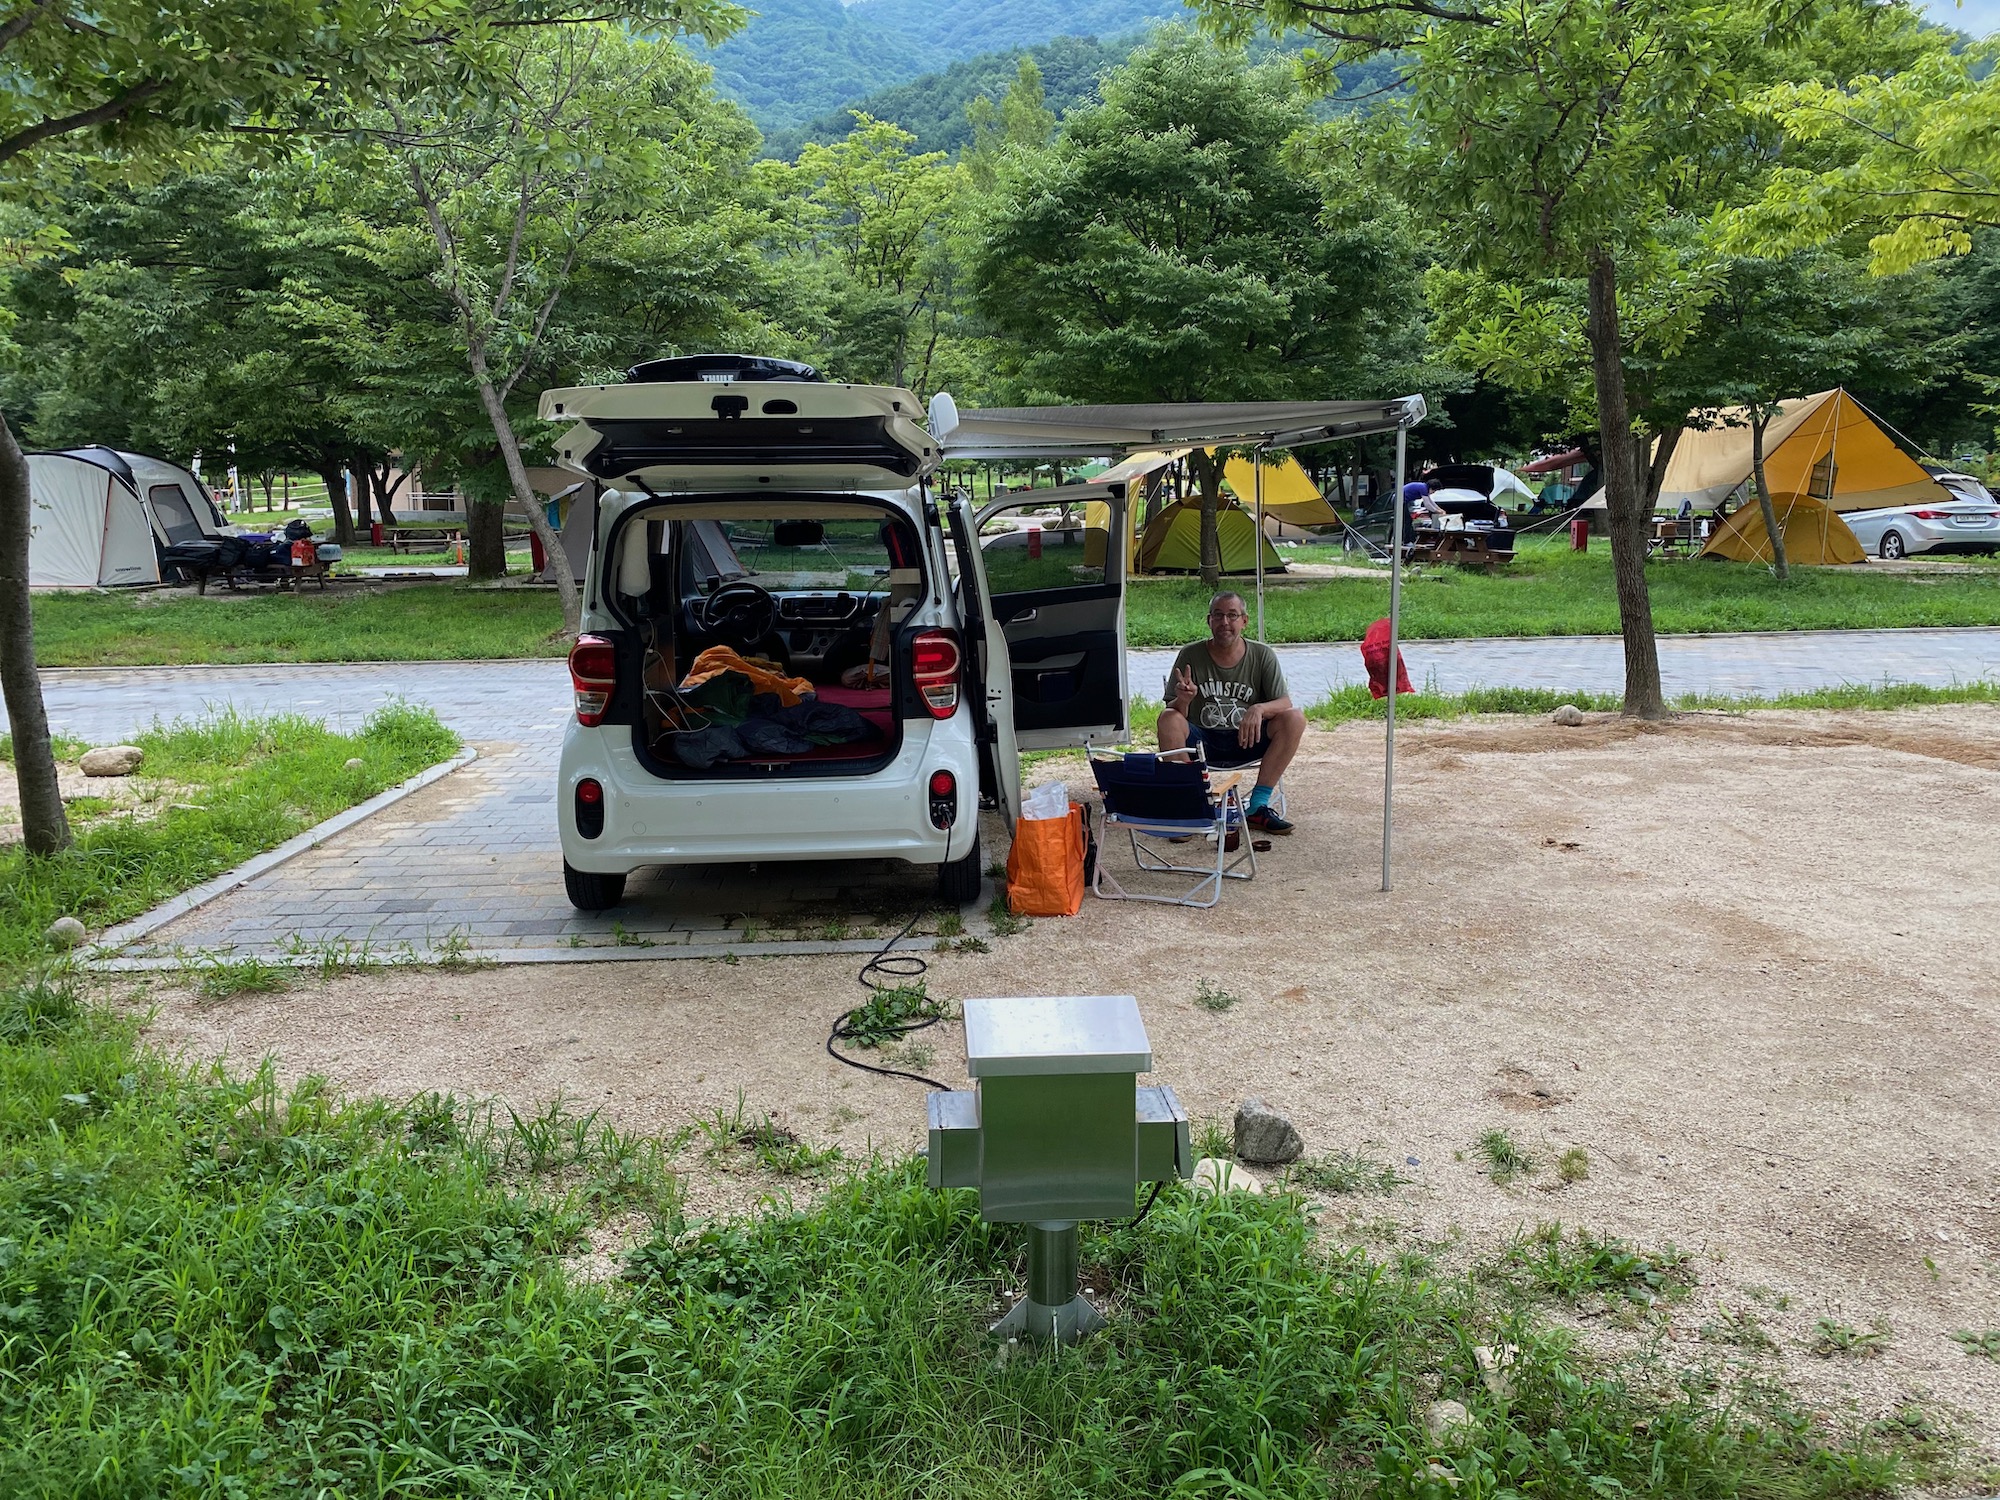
1054 562
986 644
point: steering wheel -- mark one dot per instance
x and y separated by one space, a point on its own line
741 613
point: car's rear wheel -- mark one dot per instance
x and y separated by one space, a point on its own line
958 881
1892 546
589 892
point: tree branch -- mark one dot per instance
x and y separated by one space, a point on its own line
111 109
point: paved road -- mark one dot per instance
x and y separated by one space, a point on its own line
474 859
510 699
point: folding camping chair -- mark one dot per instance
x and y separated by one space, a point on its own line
1168 797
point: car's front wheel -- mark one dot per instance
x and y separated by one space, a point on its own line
1892 546
588 892
958 881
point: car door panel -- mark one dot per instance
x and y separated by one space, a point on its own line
990 679
1059 593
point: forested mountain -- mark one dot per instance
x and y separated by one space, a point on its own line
800 59
932 107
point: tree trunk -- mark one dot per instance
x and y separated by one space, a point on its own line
335 477
1758 423
485 539
385 491
1624 496
1208 474
44 825
525 496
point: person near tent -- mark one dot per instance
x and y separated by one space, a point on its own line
1227 694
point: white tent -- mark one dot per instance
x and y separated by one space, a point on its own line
87 527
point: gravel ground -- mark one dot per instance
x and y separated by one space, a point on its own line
1746 963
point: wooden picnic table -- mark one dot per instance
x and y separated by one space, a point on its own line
406 538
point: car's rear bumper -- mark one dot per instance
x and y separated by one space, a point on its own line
881 815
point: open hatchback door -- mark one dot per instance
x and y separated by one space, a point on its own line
1054 564
988 670
702 435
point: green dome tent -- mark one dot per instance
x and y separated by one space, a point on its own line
1172 541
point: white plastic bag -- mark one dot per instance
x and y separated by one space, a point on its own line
1047 801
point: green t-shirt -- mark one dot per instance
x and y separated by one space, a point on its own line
1222 693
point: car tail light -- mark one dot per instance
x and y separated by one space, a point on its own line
934 664
590 807
1932 515
944 799
593 672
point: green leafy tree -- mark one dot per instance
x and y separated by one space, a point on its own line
1022 119
1167 248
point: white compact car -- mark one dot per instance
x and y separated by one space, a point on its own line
1968 522
755 513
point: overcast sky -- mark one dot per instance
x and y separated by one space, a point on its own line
1979 17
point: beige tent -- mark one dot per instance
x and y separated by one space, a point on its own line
1826 446
1814 536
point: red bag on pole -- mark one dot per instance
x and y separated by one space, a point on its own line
1375 655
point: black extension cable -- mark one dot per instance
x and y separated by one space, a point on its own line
905 968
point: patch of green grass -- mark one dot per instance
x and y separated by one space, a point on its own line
87 807
414 622
220 979
1212 1137
781 1151
67 747
248 784
1831 1338
1213 997
1347 1173
1005 923
1504 1159
1348 704
890 1014
217 1286
1984 1345
1550 590
1573 1165
1546 1262
1741 1328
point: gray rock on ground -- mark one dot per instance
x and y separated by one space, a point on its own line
66 932
1569 716
111 760
354 763
1446 1420
1264 1137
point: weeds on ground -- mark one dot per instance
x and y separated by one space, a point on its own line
304 1295
1741 1328
965 945
1504 1160
781 1151
1984 1345
1005 923
1213 1138
1573 1165
1544 1261
1831 1338
454 953
221 979
1212 997
1346 1172
887 1014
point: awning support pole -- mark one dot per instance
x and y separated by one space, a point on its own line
1395 628
1257 487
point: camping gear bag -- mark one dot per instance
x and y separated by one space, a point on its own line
1045 868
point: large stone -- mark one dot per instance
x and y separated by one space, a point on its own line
111 760
1447 1420
1265 1137
1214 1175
354 763
66 932
1569 716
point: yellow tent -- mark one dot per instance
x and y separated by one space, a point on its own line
1172 543
1825 446
1289 493
1814 536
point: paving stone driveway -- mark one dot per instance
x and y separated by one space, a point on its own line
473 860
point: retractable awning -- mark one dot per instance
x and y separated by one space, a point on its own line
1099 431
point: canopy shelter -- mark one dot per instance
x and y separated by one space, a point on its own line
1814 536
1172 541
1098 431
1826 446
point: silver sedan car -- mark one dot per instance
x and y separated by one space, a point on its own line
1968 522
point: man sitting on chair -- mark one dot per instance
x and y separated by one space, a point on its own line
1228 694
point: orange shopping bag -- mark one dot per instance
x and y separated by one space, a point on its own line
1045 866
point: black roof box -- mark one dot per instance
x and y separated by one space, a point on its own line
681 367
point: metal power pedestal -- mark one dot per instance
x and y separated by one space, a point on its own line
1057 1130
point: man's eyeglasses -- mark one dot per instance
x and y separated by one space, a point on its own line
1227 614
